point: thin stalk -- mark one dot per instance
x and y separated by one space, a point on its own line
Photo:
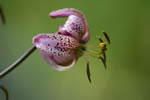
5 91
17 62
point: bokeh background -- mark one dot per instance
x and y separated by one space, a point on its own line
128 75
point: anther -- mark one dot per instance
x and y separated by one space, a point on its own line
88 72
103 61
107 37
102 45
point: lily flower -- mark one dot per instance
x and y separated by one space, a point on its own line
62 49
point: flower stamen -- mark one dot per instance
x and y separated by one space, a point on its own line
94 52
103 48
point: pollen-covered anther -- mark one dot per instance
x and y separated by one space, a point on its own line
102 45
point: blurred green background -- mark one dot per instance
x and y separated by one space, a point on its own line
128 75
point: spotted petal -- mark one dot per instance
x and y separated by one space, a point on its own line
50 59
76 26
59 51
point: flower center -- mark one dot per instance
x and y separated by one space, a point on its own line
100 53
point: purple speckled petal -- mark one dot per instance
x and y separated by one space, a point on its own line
57 50
51 60
76 26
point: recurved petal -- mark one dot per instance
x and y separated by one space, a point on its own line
73 27
65 12
57 50
76 26
55 44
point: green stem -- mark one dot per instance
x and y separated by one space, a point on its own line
18 62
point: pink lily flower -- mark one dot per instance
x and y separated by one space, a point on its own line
62 49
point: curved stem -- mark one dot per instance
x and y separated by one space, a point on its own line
2 15
18 62
5 91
